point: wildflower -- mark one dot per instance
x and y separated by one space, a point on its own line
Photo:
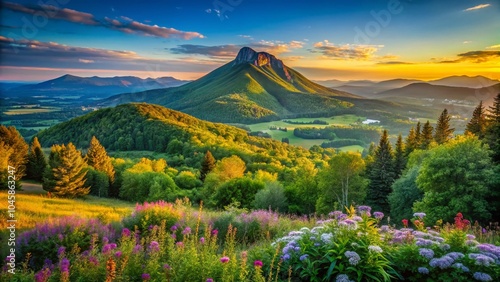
405 222
94 260
480 276
224 259
303 257
423 270
118 254
375 249
215 232
342 278
166 266
173 228
43 275
145 276
154 246
420 215
326 237
482 259
444 247
353 257
357 218
202 240
257 263
110 270
470 237
125 232
108 247
461 267
186 231
378 215
61 251
426 253
335 214
455 255
137 249
179 244
64 266
384 228
443 262
364 209
286 257
210 280
244 254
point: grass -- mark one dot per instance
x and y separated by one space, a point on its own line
28 111
306 143
353 148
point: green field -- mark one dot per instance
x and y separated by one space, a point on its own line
306 143
27 111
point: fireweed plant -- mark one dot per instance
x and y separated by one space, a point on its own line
172 242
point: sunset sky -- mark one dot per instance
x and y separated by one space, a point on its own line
346 40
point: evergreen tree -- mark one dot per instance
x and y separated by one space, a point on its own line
427 138
443 130
65 176
98 158
36 161
399 157
477 124
381 176
207 165
411 142
418 134
492 134
13 153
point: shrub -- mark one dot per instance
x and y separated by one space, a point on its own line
148 215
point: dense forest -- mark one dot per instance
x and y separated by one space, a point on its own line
222 166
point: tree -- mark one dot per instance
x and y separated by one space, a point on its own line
443 131
98 158
418 133
14 154
229 168
98 181
301 188
271 197
399 157
341 182
456 177
477 123
241 190
404 193
381 176
411 142
36 161
492 134
207 165
65 176
426 137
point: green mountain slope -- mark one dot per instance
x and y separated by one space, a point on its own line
254 87
155 128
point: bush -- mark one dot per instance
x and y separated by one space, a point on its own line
148 215
272 197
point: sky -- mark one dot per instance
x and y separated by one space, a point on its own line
333 39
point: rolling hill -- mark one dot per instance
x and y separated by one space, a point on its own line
255 86
91 87
140 126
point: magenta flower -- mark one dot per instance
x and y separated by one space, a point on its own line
166 266
257 263
224 259
202 240
210 280
179 244
186 231
118 254
173 228
145 276
154 246
61 251
125 232
215 232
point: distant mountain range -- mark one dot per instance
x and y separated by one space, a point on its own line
88 87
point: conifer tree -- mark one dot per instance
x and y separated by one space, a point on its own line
98 158
13 153
36 161
427 138
477 124
65 176
399 157
411 142
418 134
207 165
443 131
492 134
381 176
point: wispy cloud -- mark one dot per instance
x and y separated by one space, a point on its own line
466 42
494 47
123 24
475 57
394 63
32 53
345 52
477 7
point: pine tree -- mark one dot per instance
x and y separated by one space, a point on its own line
381 176
14 151
65 176
443 131
492 134
411 142
36 161
399 157
207 165
427 138
477 124
418 134
98 158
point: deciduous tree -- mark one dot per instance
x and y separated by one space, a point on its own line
14 153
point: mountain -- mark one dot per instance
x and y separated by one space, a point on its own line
140 126
465 81
255 86
91 87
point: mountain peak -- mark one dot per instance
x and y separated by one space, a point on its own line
247 55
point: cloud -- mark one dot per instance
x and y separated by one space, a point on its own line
477 7
36 54
346 51
475 57
467 42
125 24
231 50
394 63
494 47
85 61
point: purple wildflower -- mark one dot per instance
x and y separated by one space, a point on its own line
426 253
93 260
342 278
154 246
215 232
125 232
179 244
353 257
61 251
224 259
43 275
257 263
202 240
480 276
173 228
420 215
137 249
303 257
64 265
378 215
145 276
118 254
423 270
482 259
186 231
210 280
166 266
